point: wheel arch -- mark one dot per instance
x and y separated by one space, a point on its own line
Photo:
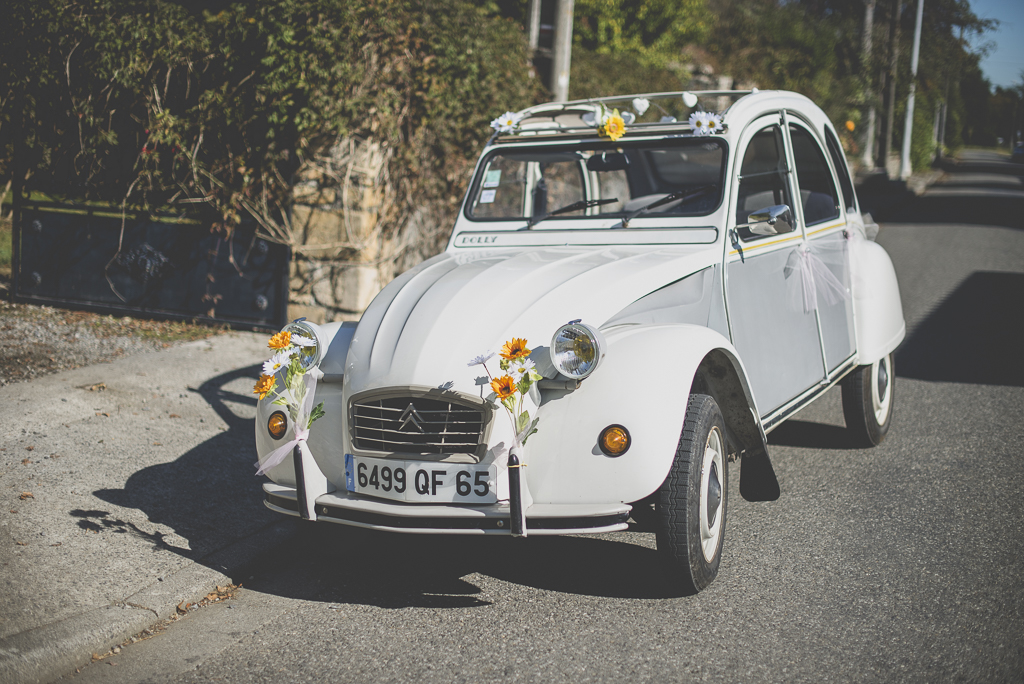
720 375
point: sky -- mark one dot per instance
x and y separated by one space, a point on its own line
1005 61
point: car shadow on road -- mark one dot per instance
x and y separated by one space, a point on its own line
209 497
973 336
339 564
808 435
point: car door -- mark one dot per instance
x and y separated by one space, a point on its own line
827 257
776 337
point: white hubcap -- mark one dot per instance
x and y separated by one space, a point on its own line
712 497
881 389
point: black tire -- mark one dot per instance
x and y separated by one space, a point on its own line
689 543
868 397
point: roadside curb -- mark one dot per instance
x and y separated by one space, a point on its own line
52 651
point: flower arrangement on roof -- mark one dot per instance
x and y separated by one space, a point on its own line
507 122
705 123
612 125
641 105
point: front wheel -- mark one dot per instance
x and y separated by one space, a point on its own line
691 504
868 401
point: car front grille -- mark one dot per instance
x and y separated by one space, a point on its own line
417 424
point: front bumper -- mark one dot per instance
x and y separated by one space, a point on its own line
360 511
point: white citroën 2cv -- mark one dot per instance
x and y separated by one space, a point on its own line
667 290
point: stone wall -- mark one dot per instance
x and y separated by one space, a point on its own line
340 260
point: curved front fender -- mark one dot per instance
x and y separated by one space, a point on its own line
643 384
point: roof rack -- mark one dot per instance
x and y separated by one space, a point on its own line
565 118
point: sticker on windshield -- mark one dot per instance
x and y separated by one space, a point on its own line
487 196
492 178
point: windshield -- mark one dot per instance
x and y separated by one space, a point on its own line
605 179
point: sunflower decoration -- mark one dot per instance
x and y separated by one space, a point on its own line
519 373
288 350
281 340
264 386
504 387
612 125
514 349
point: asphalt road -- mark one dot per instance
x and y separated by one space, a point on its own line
898 563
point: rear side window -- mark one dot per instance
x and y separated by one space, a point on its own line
839 161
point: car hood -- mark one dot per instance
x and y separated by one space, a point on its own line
425 326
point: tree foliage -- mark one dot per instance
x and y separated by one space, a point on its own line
165 102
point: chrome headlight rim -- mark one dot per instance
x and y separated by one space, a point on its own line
559 355
301 326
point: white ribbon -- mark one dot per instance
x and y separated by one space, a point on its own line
816 281
300 422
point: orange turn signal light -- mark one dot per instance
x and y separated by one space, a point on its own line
277 424
614 440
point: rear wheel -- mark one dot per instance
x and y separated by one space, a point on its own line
691 504
868 401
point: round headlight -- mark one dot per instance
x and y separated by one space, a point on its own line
577 349
310 355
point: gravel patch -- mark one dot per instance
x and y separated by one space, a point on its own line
39 340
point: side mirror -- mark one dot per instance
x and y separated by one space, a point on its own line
774 220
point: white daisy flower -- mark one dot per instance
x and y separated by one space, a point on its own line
699 122
520 367
507 122
276 362
481 360
640 105
302 341
714 123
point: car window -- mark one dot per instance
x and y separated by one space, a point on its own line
560 183
839 162
818 194
520 182
762 174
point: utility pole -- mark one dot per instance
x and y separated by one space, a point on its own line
885 148
533 28
563 51
908 127
867 41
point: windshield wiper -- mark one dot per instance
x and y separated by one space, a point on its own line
575 206
672 197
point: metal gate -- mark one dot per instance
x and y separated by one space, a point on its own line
156 265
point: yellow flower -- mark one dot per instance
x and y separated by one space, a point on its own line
281 340
515 349
614 127
264 385
504 386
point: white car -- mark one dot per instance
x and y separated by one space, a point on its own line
682 289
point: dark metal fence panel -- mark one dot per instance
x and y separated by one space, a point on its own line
74 256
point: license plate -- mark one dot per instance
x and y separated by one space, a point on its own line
421 482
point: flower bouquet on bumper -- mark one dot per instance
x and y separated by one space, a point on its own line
290 371
518 375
